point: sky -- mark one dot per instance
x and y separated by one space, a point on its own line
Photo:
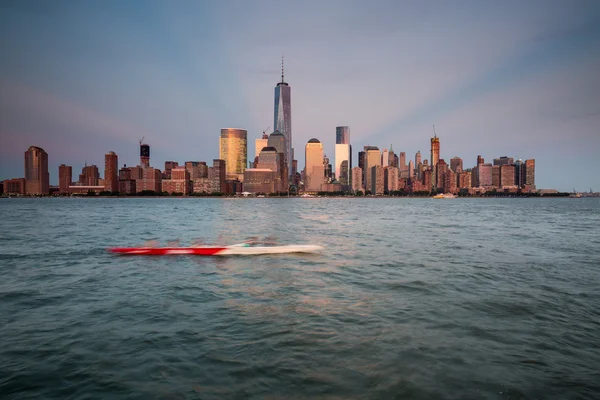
511 78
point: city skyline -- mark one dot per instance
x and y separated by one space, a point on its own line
507 79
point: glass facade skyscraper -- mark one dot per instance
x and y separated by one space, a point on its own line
343 155
282 120
342 135
234 151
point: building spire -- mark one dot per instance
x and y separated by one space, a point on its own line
282 81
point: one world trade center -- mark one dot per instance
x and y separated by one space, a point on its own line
283 117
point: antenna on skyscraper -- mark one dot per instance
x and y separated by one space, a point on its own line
142 140
282 69
434 135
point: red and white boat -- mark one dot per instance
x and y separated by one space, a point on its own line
236 249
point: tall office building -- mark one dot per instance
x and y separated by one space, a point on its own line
402 162
277 140
282 120
259 144
504 160
519 166
314 171
89 175
529 174
111 172
385 157
435 156
411 169
391 158
418 158
372 159
456 164
65 175
342 135
144 155
37 178
343 155
233 150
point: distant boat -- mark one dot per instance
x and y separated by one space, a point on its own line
444 196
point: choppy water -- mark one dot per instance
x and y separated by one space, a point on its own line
413 299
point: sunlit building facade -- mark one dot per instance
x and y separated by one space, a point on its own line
372 159
111 172
37 178
357 175
314 171
233 150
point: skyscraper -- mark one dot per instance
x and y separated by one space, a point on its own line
342 135
529 174
282 120
233 150
385 157
144 155
260 143
456 164
418 158
435 156
372 159
65 175
111 172
37 178
343 155
314 171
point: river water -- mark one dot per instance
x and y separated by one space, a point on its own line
411 299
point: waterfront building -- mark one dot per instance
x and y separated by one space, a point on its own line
343 155
411 169
196 169
37 178
372 158
377 180
529 174
496 176
260 180
390 178
361 164
111 172
484 175
218 175
169 165
450 185
14 186
357 183
314 171
480 160
519 176
179 182
418 157
282 120
89 176
233 150
65 176
507 176
343 164
464 179
456 164
440 171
